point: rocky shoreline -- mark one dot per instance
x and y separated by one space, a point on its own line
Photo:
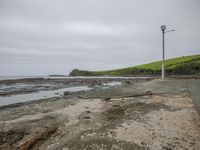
138 114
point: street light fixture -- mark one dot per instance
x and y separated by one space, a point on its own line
163 28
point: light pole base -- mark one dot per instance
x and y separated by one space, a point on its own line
163 71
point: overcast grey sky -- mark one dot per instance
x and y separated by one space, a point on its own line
41 37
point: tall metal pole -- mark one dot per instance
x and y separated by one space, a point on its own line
163 54
163 28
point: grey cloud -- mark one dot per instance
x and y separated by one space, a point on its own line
54 36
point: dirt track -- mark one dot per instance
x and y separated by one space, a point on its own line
139 114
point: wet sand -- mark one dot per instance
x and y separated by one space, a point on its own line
137 114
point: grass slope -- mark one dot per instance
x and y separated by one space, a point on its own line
179 65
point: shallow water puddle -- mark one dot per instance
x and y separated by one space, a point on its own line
114 83
5 100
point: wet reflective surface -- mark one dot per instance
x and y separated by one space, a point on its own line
115 83
5 100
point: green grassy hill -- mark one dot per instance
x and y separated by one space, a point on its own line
180 66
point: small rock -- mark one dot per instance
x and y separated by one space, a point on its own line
67 93
107 99
149 92
86 117
115 105
128 82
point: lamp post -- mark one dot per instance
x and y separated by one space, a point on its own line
163 28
